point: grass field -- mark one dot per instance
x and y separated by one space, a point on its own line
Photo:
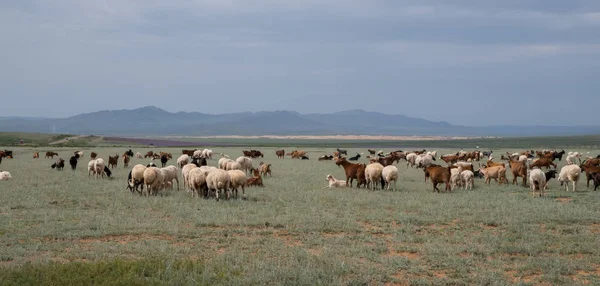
61 227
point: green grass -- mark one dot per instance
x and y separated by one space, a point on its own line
63 228
29 139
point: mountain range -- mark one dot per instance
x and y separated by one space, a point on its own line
152 120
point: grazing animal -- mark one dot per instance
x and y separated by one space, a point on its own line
36 155
265 169
569 173
59 164
139 155
256 180
126 159
154 180
73 161
163 160
342 151
113 160
245 162
373 173
128 153
549 175
170 174
350 170
518 169
372 152
537 181
438 174
354 158
280 153
190 153
196 181
468 178
51 155
335 183
5 176
390 173
93 155
498 173
238 180
542 162
588 169
326 158
183 160
135 178
304 157
595 177
217 181
149 154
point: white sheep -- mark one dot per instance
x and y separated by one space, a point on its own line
455 178
137 177
207 154
424 160
222 164
99 167
218 180
245 162
432 153
91 169
5 176
154 180
410 159
139 155
335 183
373 173
197 154
238 180
183 160
572 156
170 173
468 178
390 173
537 181
197 181
232 165
523 158
569 173
208 168
185 171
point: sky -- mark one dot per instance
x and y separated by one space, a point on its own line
465 62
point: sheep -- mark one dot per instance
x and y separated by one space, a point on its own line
59 164
233 165
390 173
138 155
497 173
245 162
410 159
136 178
185 171
197 181
455 178
183 160
537 181
5 176
207 168
197 154
222 164
335 183
207 153
238 180
424 160
154 180
100 168
218 180
572 156
91 169
569 173
373 173
468 178
170 173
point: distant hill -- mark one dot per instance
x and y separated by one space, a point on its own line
151 120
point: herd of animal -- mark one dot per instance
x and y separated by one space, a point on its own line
459 170
229 176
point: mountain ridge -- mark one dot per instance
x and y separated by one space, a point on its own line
152 120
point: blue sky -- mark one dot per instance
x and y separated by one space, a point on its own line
465 62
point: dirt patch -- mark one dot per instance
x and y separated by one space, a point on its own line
564 199
126 238
594 228
287 239
406 254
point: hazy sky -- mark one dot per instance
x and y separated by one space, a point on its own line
465 62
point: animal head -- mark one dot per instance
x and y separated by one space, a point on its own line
329 177
551 174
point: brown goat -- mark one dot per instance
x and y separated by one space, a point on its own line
126 161
350 170
51 155
438 175
265 169
280 153
386 161
498 173
256 180
93 155
113 160
149 154
589 170
36 155
542 162
188 152
449 159
494 164
518 169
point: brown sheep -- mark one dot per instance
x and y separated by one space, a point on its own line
438 175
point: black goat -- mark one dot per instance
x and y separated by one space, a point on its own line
73 161
342 151
355 158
